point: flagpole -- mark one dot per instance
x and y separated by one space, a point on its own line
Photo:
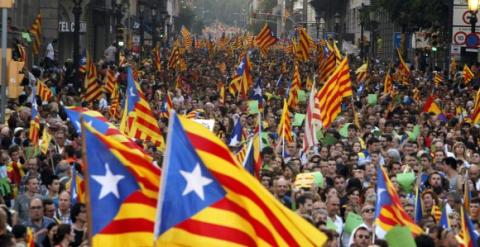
260 130
373 233
87 184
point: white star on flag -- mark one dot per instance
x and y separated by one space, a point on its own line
257 91
234 141
132 93
109 183
195 182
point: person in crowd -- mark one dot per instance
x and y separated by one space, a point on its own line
22 202
396 132
49 208
62 214
64 236
36 220
78 214
20 234
361 237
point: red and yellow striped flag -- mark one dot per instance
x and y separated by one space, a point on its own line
174 58
187 38
30 238
362 73
476 109
294 87
437 213
330 97
43 91
467 74
93 89
305 43
36 31
222 93
230 208
34 130
138 120
388 83
157 59
110 81
265 39
438 78
131 216
403 69
113 111
326 69
284 130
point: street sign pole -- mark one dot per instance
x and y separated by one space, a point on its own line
3 103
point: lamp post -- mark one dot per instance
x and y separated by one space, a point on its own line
362 25
141 9
373 23
168 28
77 11
337 25
154 27
117 11
337 22
473 8
317 24
163 17
321 25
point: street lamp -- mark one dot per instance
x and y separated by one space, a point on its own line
373 25
473 8
77 11
317 23
154 27
168 29
337 24
141 9
163 17
362 25
321 25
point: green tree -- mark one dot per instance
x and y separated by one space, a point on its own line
411 15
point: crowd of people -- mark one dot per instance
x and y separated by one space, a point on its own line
393 132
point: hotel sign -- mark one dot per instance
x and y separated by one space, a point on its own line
69 27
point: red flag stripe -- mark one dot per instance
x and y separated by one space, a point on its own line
260 229
217 231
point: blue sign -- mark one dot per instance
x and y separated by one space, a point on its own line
397 40
327 35
472 40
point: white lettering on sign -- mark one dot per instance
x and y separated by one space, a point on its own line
69 27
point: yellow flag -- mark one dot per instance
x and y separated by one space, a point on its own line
46 138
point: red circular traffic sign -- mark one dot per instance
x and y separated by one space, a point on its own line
460 38
466 17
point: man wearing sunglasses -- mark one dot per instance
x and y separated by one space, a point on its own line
368 217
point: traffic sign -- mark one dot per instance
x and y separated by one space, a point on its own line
466 17
397 38
460 38
472 40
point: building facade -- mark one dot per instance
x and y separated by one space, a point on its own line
98 23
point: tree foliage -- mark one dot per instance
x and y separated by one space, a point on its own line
415 13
